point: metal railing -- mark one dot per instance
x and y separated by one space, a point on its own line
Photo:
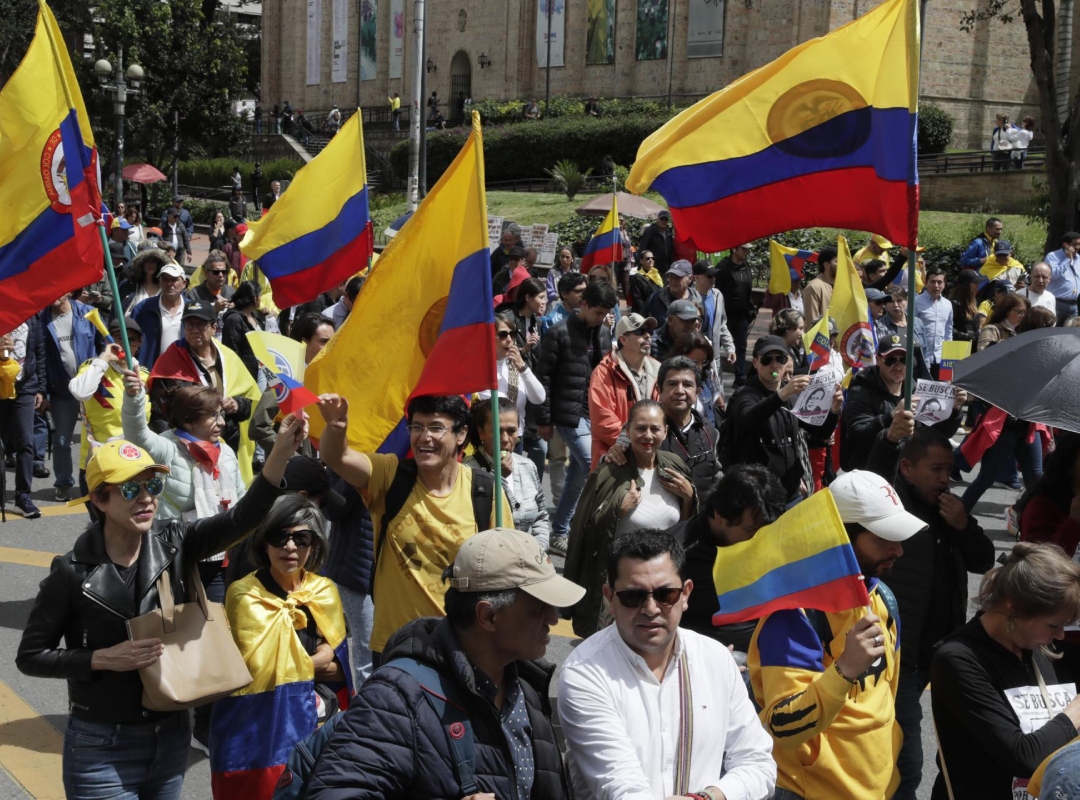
976 161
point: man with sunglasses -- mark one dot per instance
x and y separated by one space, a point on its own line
826 681
643 689
763 430
114 746
214 288
875 406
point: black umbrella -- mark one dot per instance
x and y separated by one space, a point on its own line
1034 376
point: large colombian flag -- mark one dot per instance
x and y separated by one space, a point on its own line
50 243
423 323
318 233
825 135
606 245
803 560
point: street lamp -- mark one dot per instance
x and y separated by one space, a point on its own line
484 61
431 66
119 88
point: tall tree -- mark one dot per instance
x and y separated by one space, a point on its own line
1059 113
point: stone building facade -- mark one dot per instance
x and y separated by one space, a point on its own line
973 75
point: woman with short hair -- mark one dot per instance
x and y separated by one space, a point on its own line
996 677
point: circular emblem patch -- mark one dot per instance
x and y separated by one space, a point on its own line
858 346
457 730
281 392
431 325
54 173
814 120
129 452
281 364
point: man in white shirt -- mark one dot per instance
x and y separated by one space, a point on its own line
1036 291
629 693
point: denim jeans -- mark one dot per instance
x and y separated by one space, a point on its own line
41 438
126 762
1061 781
17 427
740 330
65 413
579 448
786 794
909 716
1011 442
557 466
536 449
360 614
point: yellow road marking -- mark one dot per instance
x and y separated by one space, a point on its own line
31 558
564 628
31 749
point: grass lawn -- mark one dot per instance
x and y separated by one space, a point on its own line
936 228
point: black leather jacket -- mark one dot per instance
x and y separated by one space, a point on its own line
84 600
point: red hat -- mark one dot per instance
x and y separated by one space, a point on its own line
517 277
241 229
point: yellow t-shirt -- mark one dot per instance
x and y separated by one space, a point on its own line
423 540
102 411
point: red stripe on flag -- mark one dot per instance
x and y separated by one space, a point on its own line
246 783
842 594
608 255
300 287
858 200
461 362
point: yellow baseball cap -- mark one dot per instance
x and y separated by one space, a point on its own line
881 241
118 461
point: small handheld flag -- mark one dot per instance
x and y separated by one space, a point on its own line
851 311
284 357
951 352
816 343
606 245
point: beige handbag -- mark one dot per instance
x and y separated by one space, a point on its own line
201 661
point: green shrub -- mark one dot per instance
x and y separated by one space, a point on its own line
217 172
569 177
513 152
499 112
935 129
202 211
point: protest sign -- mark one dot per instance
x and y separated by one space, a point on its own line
934 401
814 402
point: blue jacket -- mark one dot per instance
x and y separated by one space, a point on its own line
351 562
976 253
33 378
85 341
391 744
148 315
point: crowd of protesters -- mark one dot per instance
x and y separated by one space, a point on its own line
442 691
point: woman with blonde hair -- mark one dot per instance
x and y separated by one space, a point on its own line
1002 700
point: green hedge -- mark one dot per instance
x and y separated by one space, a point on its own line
935 129
499 112
513 152
215 172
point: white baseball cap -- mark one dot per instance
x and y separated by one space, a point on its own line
865 498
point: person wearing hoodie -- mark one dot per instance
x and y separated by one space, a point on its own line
485 658
763 430
625 375
826 681
874 395
931 580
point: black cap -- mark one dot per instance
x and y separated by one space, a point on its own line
890 344
132 325
199 310
516 252
705 267
771 344
664 214
306 474
178 198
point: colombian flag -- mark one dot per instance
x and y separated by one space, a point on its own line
606 245
50 242
951 352
851 312
255 729
285 358
319 232
823 136
803 560
816 342
424 322
786 265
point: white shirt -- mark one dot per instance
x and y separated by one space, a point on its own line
659 507
796 301
1044 299
622 724
529 388
170 326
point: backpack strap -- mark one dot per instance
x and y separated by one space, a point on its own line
446 701
889 599
400 488
483 498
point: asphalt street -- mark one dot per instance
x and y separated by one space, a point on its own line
33 711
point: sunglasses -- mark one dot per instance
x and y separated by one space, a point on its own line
302 539
892 361
130 490
217 272
767 360
503 334
635 598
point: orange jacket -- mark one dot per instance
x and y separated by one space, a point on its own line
611 393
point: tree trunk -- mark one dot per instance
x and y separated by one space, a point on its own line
1060 157
1063 56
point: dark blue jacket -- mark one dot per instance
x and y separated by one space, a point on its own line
148 315
351 562
390 743
34 379
85 341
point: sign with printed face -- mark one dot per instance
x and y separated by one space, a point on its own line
934 401
814 402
